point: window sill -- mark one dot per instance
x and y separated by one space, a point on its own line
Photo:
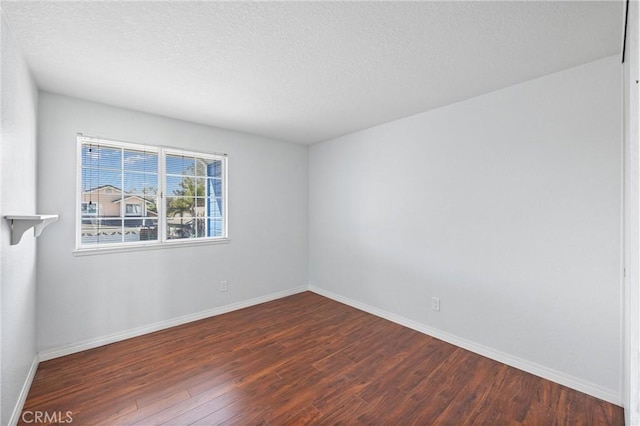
150 246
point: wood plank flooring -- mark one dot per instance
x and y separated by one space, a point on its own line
299 360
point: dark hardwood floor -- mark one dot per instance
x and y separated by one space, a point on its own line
303 359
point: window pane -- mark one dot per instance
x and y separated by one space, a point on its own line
214 169
179 165
214 227
144 229
180 227
149 229
208 167
184 186
94 179
88 233
179 207
201 166
101 231
101 200
141 183
201 187
200 231
213 207
151 206
214 187
101 157
140 161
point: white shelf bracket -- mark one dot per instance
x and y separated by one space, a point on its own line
20 225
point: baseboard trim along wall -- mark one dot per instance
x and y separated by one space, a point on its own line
22 398
516 362
510 360
116 337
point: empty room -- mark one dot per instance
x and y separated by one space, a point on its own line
314 212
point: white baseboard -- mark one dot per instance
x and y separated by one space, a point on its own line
513 361
17 410
510 360
116 337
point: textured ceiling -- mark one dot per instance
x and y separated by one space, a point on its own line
302 71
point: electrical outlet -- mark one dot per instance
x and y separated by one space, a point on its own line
435 303
224 286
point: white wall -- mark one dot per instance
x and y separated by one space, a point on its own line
631 376
84 298
17 196
506 206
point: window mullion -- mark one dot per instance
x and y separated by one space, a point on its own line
79 192
122 202
162 179
225 197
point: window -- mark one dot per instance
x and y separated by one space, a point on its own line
88 209
133 210
132 195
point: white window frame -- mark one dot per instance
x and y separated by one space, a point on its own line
162 241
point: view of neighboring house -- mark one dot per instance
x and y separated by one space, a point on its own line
111 215
103 209
106 202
